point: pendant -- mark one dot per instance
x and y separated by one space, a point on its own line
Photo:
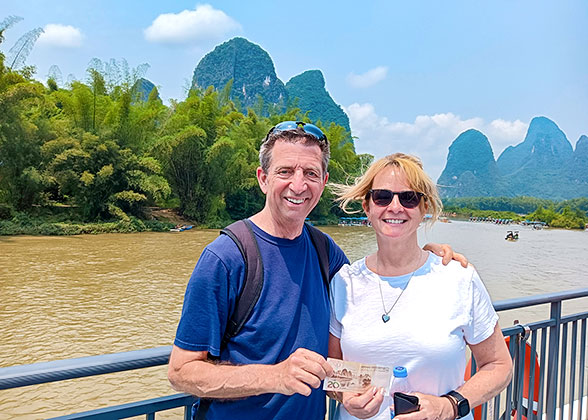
385 318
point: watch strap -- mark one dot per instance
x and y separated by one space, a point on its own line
462 404
453 404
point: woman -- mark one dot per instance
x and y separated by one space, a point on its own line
401 307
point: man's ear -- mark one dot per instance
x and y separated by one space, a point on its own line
326 178
262 179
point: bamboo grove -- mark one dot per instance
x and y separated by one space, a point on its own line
98 149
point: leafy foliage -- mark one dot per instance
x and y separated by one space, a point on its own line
96 149
568 214
22 48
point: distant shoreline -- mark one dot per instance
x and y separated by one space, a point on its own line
40 227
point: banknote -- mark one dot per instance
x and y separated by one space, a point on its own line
355 376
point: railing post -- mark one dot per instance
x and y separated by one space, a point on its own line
551 391
188 412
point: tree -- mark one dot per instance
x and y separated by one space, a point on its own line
569 218
103 179
20 181
19 52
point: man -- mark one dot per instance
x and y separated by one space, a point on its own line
274 367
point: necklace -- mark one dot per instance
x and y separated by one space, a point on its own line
385 315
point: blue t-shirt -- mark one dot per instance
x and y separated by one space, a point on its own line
292 312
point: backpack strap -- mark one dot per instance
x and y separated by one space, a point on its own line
242 234
321 244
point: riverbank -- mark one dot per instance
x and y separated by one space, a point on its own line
62 224
33 226
158 219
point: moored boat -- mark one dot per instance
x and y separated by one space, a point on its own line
181 228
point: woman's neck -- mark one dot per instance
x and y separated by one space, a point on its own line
396 258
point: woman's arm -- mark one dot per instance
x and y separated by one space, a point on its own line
493 375
494 369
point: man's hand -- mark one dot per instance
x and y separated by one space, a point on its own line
363 405
301 371
446 252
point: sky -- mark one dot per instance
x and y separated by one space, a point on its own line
411 75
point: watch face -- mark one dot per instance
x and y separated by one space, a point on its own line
463 405
463 408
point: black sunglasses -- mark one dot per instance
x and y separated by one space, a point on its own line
308 128
408 199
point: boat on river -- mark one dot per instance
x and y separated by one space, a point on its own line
181 228
534 224
354 221
512 236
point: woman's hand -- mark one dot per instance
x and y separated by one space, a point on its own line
363 405
432 408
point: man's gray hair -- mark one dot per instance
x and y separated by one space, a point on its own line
292 136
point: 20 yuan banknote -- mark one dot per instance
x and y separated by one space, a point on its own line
355 376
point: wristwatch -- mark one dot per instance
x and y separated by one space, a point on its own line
462 405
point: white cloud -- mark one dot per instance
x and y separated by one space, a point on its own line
57 35
428 137
191 26
369 78
505 133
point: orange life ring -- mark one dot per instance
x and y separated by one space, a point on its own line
526 381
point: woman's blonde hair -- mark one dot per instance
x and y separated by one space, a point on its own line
410 166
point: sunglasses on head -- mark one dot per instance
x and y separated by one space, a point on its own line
408 199
308 128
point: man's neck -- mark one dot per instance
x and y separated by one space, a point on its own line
267 223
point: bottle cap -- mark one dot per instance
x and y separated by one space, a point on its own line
400 372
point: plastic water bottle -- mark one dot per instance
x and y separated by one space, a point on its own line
399 384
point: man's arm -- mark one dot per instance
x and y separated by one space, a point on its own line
191 372
446 252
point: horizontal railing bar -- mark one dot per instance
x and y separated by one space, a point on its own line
39 373
574 317
59 370
504 305
520 328
133 409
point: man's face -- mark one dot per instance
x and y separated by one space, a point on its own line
294 182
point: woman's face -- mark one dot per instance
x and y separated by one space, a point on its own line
393 220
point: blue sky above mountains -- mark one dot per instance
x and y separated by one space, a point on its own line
411 75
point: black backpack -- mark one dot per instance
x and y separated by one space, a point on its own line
242 234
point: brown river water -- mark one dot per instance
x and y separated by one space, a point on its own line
65 297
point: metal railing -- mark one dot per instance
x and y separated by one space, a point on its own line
549 379
541 387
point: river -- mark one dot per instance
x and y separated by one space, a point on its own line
64 297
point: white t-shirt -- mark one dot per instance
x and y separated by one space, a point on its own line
442 309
